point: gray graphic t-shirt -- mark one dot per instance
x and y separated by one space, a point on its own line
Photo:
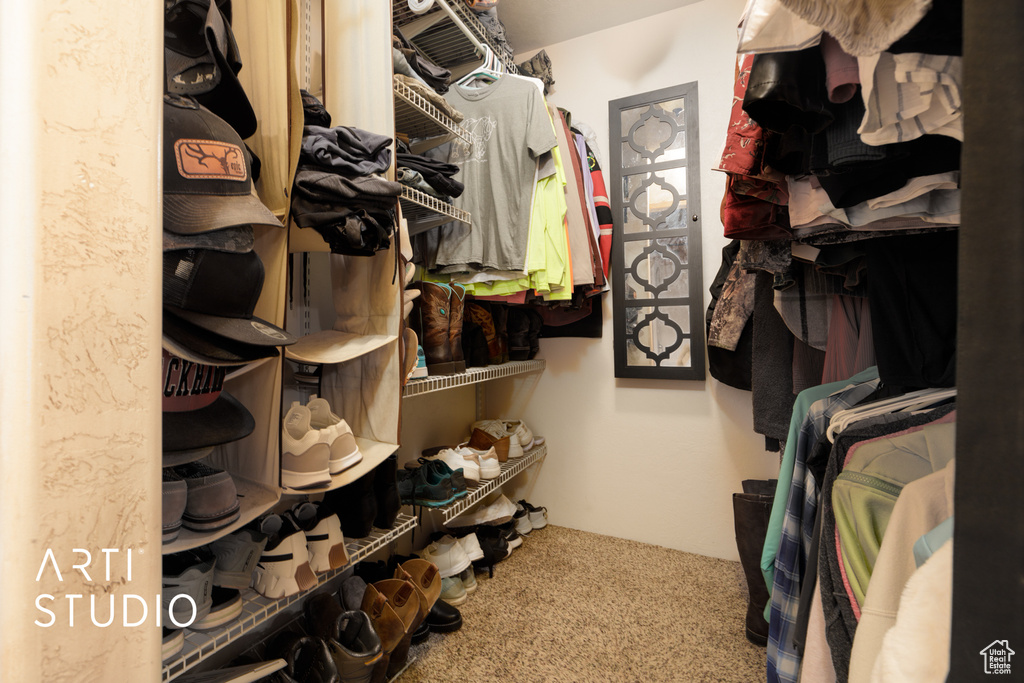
510 128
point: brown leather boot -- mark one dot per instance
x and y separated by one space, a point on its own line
405 601
480 313
389 627
423 575
500 314
455 325
433 317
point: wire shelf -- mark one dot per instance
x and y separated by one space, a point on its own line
257 610
425 212
438 36
426 385
481 490
417 117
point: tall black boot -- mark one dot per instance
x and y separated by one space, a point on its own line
751 510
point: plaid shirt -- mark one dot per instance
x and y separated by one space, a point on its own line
797 530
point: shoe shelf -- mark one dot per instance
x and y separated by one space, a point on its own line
255 499
417 117
480 491
374 453
424 212
332 346
449 34
257 610
426 385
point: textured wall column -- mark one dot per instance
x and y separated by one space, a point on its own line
80 337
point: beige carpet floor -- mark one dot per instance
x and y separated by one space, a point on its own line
575 607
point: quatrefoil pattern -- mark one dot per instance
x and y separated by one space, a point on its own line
667 349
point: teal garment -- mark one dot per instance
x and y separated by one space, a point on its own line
926 546
802 435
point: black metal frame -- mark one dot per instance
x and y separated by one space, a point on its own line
691 230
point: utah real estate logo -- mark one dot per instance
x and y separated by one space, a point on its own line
997 657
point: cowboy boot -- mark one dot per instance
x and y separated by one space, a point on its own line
480 314
455 325
433 315
437 614
389 627
751 511
518 327
405 601
500 314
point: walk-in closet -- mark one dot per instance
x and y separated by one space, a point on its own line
502 340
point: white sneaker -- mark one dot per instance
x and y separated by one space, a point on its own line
336 433
324 539
305 459
455 459
468 580
448 555
497 512
487 460
453 591
471 544
496 428
538 515
522 520
519 428
283 568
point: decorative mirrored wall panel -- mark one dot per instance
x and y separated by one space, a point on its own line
656 257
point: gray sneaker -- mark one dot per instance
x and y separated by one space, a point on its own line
212 497
237 555
188 573
175 493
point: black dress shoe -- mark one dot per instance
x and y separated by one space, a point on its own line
308 659
422 632
443 618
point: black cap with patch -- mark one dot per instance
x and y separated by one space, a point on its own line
207 173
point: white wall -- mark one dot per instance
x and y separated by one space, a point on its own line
655 461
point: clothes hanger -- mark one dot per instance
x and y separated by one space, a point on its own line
490 69
914 400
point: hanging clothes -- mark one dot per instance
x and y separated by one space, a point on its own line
510 130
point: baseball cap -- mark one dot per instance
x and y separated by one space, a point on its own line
207 179
239 240
172 458
217 291
197 412
193 343
201 59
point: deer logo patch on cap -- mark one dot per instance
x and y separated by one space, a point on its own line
210 159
